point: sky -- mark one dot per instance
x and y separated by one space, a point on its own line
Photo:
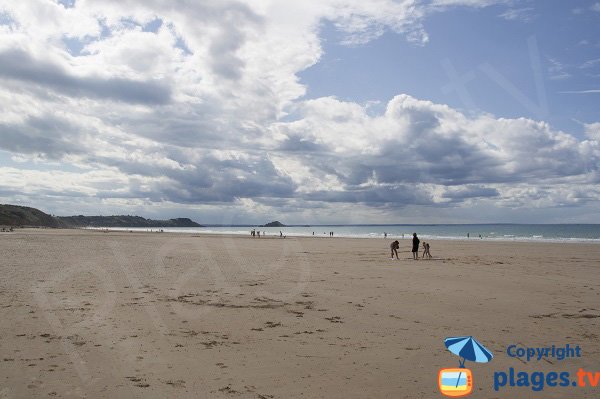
307 112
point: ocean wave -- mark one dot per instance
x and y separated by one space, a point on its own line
302 232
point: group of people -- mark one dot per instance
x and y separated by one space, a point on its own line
330 233
255 233
394 246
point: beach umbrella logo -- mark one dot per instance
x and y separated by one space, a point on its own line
455 382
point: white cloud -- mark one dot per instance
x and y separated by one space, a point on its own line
590 91
590 63
592 131
557 70
525 14
466 3
205 109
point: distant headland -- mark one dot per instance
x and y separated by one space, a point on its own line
16 215
276 223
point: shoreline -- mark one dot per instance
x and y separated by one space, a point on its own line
572 240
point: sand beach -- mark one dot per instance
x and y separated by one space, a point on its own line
91 314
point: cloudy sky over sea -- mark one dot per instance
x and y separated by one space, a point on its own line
324 111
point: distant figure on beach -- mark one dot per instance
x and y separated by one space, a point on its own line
415 246
384 234
313 233
394 248
258 233
468 235
280 234
426 252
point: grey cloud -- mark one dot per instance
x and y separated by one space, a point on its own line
232 179
214 180
299 144
202 126
224 61
19 65
207 125
285 205
465 192
375 196
50 136
233 18
431 159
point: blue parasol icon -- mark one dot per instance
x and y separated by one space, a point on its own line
469 349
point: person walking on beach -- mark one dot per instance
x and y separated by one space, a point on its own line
426 252
394 247
415 246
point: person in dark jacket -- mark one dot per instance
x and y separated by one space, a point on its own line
415 246
394 247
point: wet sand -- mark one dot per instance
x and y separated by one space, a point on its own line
156 315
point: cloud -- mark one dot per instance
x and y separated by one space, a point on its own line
590 63
525 14
421 142
18 65
590 91
557 70
205 110
466 3
40 135
592 131
595 7
470 191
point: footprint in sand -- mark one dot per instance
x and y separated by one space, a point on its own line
176 384
229 390
140 382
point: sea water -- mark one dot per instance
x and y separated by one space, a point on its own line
498 232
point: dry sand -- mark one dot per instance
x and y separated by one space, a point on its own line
142 315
